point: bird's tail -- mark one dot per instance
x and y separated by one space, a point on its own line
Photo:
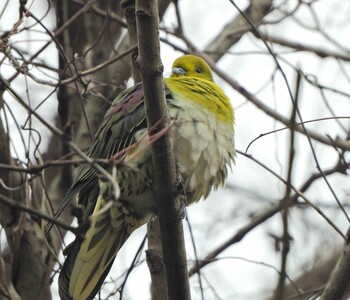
89 260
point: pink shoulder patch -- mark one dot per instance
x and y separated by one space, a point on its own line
129 101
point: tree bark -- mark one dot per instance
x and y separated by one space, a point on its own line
168 199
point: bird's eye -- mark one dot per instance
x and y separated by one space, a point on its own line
198 70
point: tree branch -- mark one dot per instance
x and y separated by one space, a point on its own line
163 158
234 30
321 52
262 217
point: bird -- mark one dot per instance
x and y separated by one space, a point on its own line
202 138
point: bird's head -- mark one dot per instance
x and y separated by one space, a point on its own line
191 66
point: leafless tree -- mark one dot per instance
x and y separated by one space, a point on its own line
280 224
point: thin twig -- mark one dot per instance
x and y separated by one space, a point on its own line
262 217
287 200
15 204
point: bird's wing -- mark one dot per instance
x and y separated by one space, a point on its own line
89 260
124 118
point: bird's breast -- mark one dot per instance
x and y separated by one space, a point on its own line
203 147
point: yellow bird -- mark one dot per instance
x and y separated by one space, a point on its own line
203 141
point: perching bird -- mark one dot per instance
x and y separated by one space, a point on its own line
202 135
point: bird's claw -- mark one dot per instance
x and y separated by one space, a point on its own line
182 207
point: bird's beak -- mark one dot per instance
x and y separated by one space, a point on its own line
178 71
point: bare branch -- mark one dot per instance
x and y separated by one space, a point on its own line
321 52
238 27
21 207
168 200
